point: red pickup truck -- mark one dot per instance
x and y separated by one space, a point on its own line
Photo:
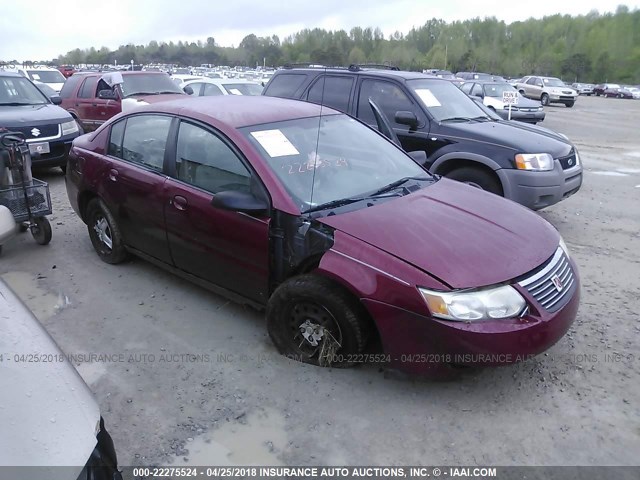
94 97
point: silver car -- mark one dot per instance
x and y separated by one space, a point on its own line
51 424
547 90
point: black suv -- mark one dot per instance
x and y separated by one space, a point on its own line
48 129
525 163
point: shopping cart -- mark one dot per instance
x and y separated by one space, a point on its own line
27 198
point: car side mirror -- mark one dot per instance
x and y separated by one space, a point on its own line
56 99
407 118
418 156
239 202
188 90
107 95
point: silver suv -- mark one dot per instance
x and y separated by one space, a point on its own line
547 90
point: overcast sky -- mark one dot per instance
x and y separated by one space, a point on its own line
43 29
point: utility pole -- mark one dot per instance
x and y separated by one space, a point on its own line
446 48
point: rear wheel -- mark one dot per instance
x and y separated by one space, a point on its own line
313 320
478 178
544 99
104 233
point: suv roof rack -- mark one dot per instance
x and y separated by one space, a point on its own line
385 66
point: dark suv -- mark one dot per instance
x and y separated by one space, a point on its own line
525 163
47 128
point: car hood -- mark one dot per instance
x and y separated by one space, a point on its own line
32 115
516 136
464 237
48 413
562 90
522 102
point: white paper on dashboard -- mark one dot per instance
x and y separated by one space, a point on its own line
235 91
275 143
427 97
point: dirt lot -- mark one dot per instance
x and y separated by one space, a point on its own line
235 401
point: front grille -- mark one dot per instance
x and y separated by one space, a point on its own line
553 286
44 131
569 161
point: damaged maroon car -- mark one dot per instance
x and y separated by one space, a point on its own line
331 228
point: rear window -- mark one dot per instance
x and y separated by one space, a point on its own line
285 85
70 85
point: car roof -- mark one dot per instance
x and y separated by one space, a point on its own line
403 74
220 81
239 110
6 73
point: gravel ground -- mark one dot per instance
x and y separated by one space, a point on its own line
199 382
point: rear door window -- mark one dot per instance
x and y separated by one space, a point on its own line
333 91
145 140
285 85
88 89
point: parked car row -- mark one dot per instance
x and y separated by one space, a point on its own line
300 207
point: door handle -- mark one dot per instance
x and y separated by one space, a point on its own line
113 174
179 202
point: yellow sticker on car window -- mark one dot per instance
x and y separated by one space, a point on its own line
275 143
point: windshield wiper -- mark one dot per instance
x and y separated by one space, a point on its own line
377 194
17 104
456 119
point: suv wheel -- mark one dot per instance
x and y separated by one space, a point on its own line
569 104
544 99
478 178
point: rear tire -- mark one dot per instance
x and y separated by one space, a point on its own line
544 99
104 233
478 178
304 310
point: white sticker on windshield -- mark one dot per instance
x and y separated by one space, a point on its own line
427 97
35 76
235 91
275 143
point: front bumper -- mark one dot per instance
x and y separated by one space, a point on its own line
57 156
537 190
421 345
103 462
523 116
562 98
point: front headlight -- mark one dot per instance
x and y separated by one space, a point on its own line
534 161
470 306
69 127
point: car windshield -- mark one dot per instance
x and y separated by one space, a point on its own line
46 76
147 84
553 82
444 100
20 91
497 89
243 88
321 160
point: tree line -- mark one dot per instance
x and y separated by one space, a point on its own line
588 48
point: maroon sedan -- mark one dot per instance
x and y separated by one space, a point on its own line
307 213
